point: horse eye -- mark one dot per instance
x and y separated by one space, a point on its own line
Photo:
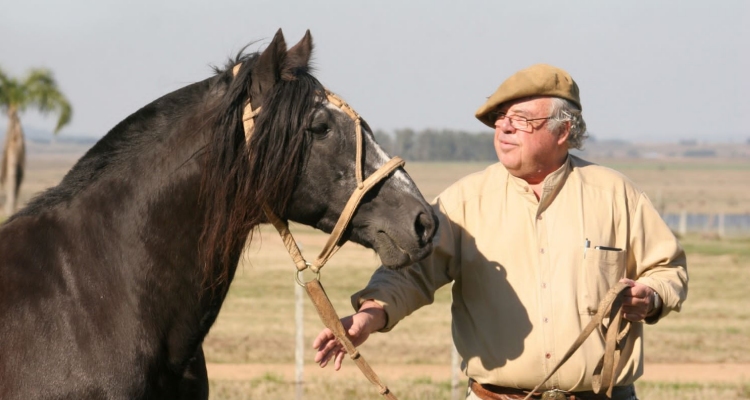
320 129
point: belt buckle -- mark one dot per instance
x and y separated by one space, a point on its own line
554 394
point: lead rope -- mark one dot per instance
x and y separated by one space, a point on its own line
614 333
314 288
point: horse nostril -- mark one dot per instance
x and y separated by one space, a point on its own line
424 226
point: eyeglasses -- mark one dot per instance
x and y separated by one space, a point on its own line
519 122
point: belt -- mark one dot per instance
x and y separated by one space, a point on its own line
492 392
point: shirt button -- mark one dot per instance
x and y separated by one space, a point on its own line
541 251
539 217
548 355
546 320
525 188
544 285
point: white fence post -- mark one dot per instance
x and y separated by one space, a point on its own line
682 229
455 370
299 354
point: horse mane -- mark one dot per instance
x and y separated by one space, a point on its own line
241 177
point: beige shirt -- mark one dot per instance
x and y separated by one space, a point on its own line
525 284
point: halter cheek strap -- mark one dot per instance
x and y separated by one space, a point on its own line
314 288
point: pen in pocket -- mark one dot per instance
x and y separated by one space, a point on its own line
607 248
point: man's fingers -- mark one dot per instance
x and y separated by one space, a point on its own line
336 356
325 355
326 350
339 358
322 337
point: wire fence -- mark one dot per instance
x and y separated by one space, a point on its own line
719 224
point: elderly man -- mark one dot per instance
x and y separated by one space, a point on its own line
532 244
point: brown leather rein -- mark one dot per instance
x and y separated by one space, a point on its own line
313 287
614 332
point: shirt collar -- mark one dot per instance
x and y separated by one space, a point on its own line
553 183
550 188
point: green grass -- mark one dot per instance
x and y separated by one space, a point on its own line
738 247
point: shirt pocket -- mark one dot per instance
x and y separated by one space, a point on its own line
601 270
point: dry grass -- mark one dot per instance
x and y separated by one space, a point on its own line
715 323
697 186
272 387
256 324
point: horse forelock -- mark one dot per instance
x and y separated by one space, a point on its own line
241 176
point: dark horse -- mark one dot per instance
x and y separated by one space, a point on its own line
110 281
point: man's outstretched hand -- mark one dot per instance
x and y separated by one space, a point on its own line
370 318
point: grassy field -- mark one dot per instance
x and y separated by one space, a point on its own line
256 325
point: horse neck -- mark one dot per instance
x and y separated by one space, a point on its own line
145 215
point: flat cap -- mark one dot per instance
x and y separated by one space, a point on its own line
536 80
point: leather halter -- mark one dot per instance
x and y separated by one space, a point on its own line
314 288
363 186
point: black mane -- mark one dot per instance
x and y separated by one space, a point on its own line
262 171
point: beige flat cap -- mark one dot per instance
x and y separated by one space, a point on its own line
537 80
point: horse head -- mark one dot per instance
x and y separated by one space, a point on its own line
308 151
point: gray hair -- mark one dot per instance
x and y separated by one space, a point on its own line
563 111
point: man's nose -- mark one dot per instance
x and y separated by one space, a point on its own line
504 125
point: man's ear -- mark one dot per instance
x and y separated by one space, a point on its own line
564 133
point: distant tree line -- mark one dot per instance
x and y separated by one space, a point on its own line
438 145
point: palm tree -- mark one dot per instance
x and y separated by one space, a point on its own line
38 90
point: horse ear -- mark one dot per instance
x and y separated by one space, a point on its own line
268 69
298 57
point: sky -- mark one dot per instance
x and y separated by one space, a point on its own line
649 71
